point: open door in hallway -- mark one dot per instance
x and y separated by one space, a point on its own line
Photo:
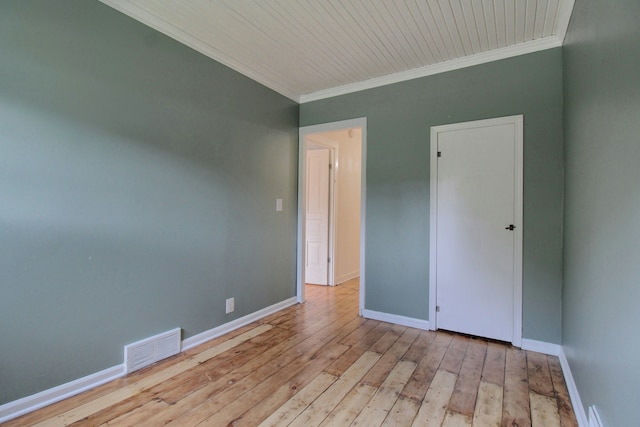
317 217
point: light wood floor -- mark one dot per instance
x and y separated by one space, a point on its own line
321 364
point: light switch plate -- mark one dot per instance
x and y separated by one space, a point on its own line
278 205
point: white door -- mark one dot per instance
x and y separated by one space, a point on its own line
477 181
317 217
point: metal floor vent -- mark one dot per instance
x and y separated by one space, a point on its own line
149 350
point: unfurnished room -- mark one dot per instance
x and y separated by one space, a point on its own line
340 212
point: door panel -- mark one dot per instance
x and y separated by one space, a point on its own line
317 217
475 251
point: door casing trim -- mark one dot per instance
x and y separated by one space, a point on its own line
302 133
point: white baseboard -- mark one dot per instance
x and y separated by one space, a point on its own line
19 407
28 404
541 347
594 417
345 277
235 324
394 318
576 402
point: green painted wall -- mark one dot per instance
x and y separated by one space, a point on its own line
137 179
602 208
399 118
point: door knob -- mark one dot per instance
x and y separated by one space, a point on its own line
510 227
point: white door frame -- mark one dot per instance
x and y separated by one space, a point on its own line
332 209
302 173
517 121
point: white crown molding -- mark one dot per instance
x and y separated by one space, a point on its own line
132 10
564 16
394 318
442 67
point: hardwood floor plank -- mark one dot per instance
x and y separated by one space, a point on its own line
188 382
544 411
281 353
402 413
434 406
494 365
379 372
463 399
288 390
298 403
181 393
418 384
454 356
349 408
383 400
565 408
516 408
363 330
225 409
488 411
453 419
419 346
388 339
539 375
253 374
78 400
350 356
257 369
138 416
327 402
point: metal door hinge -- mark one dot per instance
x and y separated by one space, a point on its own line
439 153
437 309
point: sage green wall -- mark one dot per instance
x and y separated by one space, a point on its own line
399 118
137 179
602 208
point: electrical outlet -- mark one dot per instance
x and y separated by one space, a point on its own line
230 306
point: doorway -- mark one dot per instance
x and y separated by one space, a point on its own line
346 228
476 228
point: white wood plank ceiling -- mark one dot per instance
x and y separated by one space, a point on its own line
312 49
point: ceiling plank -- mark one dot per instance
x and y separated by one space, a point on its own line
541 13
490 19
472 27
451 27
501 24
510 21
418 31
550 18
